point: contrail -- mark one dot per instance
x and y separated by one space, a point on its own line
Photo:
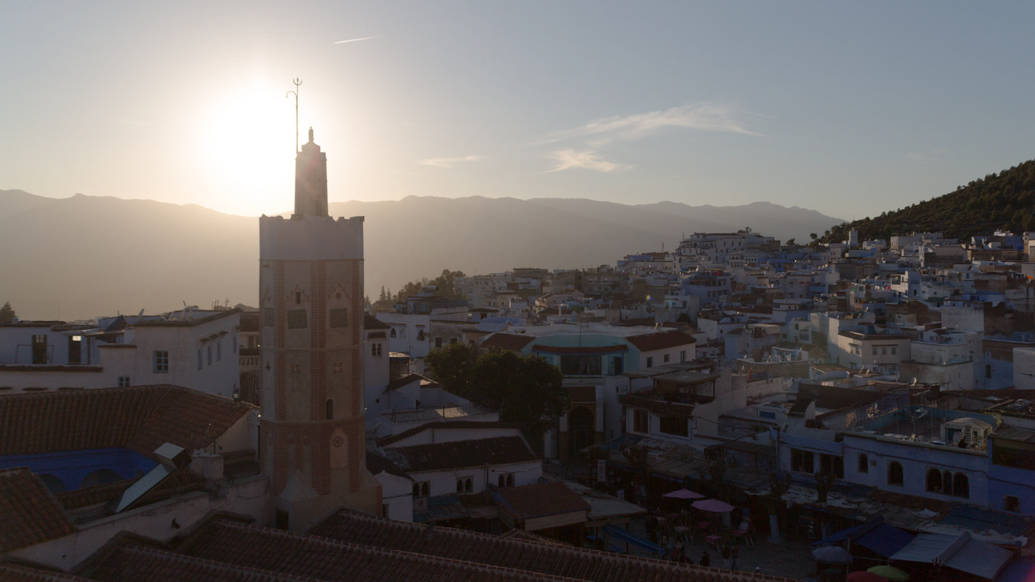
348 40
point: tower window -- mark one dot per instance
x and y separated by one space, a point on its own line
339 317
298 297
296 319
329 405
268 317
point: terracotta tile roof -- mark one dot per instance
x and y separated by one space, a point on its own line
14 572
507 341
544 559
137 562
403 381
455 424
660 340
471 453
329 559
540 500
580 349
139 418
29 513
371 322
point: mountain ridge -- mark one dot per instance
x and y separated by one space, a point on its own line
84 256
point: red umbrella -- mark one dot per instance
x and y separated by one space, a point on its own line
865 577
683 494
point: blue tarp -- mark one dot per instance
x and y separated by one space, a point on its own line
628 537
885 539
874 535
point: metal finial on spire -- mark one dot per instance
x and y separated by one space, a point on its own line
297 82
310 134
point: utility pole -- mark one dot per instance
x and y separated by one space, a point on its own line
297 82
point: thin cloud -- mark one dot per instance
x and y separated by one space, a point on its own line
360 39
568 159
700 117
448 162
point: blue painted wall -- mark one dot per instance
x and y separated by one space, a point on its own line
72 468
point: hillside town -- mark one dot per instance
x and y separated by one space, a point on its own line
735 408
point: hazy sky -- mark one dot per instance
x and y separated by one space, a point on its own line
850 108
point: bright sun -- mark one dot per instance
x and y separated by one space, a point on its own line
248 150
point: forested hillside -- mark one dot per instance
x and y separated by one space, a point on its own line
998 201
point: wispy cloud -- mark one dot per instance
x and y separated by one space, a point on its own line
568 159
349 40
448 162
701 117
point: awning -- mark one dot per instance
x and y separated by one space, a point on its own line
627 537
885 539
960 552
873 535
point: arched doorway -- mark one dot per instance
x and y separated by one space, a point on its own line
580 428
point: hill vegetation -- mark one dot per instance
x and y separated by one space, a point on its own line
998 201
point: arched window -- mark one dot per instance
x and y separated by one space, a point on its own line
934 480
961 485
100 477
391 333
510 479
895 473
501 481
329 405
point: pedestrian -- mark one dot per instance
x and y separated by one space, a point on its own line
706 559
734 554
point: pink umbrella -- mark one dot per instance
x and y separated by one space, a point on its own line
713 506
684 494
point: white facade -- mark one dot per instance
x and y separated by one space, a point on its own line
408 333
193 348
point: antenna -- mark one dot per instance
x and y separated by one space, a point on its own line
297 82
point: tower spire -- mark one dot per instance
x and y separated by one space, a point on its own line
297 82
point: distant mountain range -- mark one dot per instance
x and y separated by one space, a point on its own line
998 201
84 256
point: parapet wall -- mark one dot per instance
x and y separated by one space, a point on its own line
310 238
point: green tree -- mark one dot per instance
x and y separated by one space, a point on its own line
526 390
452 365
7 314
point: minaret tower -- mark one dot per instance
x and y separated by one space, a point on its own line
312 442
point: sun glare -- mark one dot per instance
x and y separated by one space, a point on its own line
247 143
